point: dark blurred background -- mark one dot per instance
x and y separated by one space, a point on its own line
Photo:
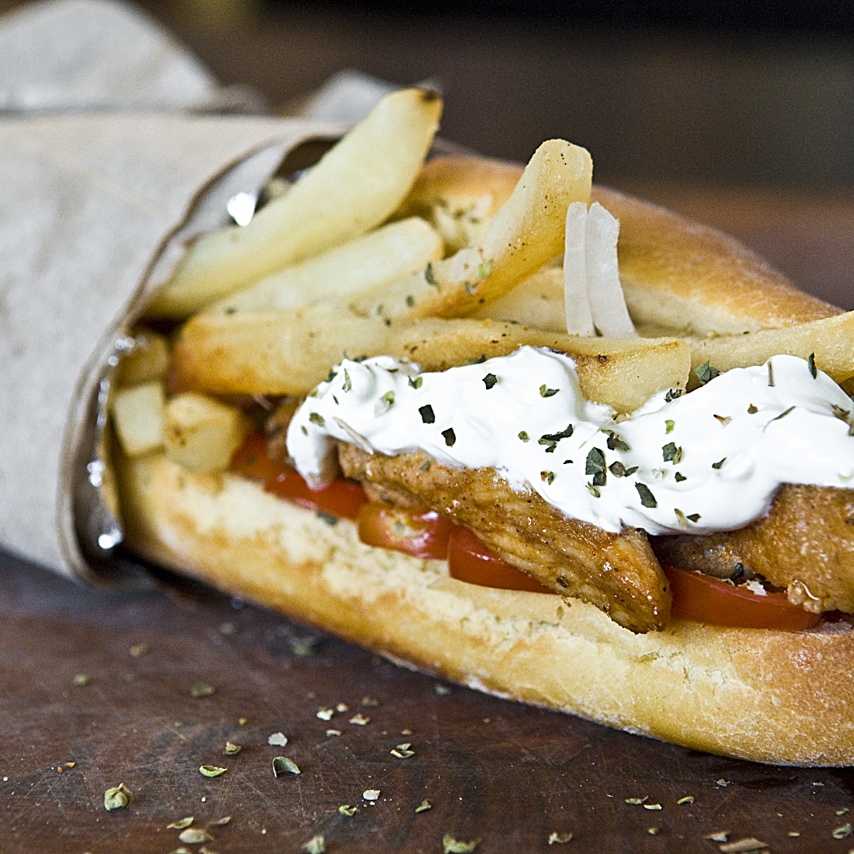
691 102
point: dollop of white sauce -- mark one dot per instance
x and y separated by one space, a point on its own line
709 460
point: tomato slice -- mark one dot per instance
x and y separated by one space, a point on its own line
470 560
414 530
252 460
340 498
709 600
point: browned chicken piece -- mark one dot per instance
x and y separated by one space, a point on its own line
805 544
615 572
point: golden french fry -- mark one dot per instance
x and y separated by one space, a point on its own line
829 339
148 359
352 189
201 433
138 416
372 260
289 352
526 233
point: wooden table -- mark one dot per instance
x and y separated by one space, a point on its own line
97 689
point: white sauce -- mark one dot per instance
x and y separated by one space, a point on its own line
710 460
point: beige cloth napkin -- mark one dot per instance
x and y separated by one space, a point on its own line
92 192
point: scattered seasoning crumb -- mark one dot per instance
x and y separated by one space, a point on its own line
315 845
138 649
718 836
450 437
402 751
406 732
424 806
457 846
370 702
652 806
180 824
212 770
282 765
277 739
359 719
242 721
559 838
331 732
523 435
442 690
81 679
325 714
637 801
843 832
811 365
117 797
722 783
793 833
195 836
545 391
346 809
202 689
842 811
647 499
371 794
490 381
342 707
232 749
705 373
220 822
744 846
688 799
653 831
70 764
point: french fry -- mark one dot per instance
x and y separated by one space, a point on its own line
352 189
201 433
148 359
289 352
372 260
829 340
526 233
138 416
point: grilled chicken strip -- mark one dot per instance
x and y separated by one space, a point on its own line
805 544
615 572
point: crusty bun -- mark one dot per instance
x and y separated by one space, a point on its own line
679 277
769 696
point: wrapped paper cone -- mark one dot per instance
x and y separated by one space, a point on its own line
90 200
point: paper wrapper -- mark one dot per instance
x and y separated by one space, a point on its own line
94 211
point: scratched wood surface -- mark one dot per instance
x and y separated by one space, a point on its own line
508 775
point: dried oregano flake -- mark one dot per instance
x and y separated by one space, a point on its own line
117 797
457 846
284 765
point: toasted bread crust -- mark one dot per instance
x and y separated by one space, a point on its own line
769 696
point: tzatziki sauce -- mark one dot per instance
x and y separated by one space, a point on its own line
704 461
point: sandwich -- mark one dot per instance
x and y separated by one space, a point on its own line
507 426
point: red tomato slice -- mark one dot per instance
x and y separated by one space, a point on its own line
413 530
252 461
470 560
340 498
704 599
